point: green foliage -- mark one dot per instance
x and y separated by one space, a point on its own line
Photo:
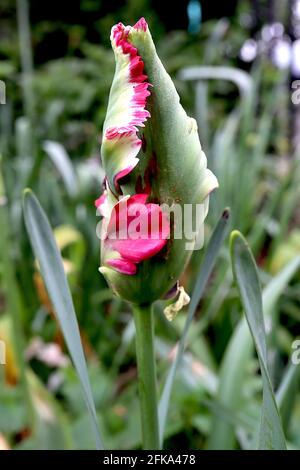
216 399
271 436
50 264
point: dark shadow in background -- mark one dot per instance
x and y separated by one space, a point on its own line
57 16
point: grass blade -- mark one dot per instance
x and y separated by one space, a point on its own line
48 256
271 434
207 266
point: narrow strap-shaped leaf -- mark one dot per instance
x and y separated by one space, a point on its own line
245 272
50 263
235 362
207 266
276 286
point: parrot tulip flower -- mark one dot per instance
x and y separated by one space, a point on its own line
152 156
153 161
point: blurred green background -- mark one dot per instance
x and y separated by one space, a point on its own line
234 65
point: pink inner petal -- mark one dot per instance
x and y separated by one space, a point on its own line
100 203
101 200
137 250
122 174
140 240
120 211
137 199
141 24
123 266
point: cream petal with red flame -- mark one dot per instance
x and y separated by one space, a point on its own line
126 108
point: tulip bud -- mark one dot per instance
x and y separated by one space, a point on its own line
152 156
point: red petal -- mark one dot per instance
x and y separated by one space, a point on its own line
137 231
141 24
121 175
100 202
137 112
137 250
123 266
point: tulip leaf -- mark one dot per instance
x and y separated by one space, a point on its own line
245 272
210 257
234 365
51 267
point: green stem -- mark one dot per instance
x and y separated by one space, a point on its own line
143 317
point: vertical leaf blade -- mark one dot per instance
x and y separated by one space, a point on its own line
244 269
233 367
49 259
